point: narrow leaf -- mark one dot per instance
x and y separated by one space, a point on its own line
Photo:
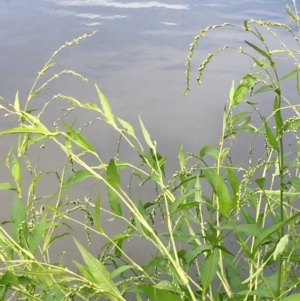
262 52
19 216
267 232
156 294
220 189
36 236
106 108
243 88
208 269
101 276
270 136
78 138
113 179
281 246
78 176
264 88
17 102
97 214
146 135
121 270
127 126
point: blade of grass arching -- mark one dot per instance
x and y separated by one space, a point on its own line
78 138
36 235
114 181
101 276
106 108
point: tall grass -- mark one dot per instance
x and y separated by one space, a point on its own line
219 230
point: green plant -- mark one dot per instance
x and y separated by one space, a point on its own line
191 218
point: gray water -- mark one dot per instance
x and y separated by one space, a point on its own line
137 58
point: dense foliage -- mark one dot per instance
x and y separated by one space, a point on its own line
215 230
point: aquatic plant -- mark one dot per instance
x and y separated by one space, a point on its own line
215 230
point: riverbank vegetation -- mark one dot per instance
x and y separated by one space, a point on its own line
216 229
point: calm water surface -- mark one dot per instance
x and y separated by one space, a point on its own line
137 58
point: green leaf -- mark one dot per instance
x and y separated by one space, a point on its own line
208 269
146 135
281 246
220 189
85 272
243 88
238 117
156 294
127 126
37 92
78 138
295 182
260 51
195 252
78 176
36 236
267 232
9 279
278 116
101 276
295 297
231 94
181 157
17 103
46 68
270 136
19 217
261 182
114 181
234 278
16 172
290 74
264 88
298 82
179 200
121 270
56 237
97 214
234 183
106 108
6 186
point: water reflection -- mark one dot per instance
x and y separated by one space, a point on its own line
136 4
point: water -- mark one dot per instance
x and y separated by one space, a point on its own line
137 58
